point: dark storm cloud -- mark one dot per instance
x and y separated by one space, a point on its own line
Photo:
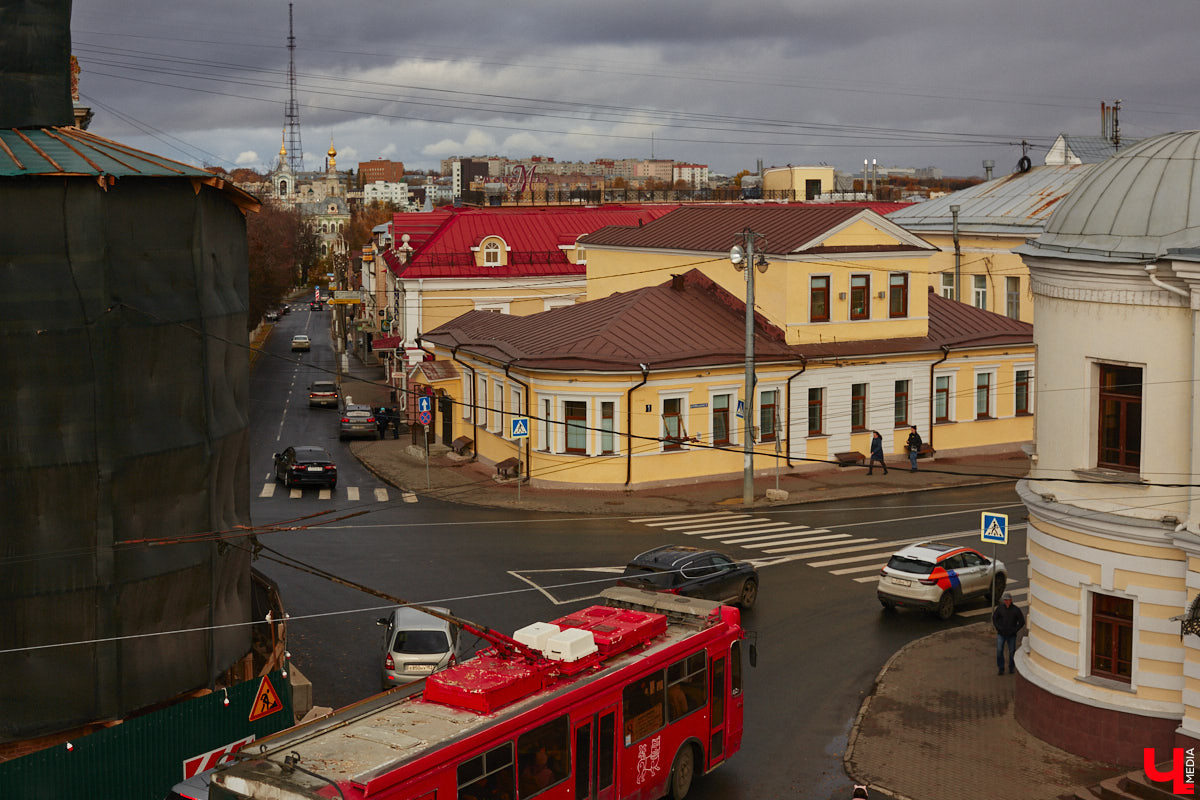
927 82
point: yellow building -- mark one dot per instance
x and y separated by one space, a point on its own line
797 183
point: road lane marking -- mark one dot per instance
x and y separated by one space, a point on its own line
851 570
897 545
713 519
268 490
381 495
296 493
668 520
409 497
325 494
728 527
352 494
798 548
754 537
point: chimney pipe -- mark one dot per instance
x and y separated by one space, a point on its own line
36 64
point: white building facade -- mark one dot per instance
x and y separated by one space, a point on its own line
1112 497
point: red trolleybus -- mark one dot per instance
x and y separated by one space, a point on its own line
623 701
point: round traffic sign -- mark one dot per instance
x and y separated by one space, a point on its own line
424 417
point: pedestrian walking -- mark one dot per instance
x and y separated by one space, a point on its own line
381 421
1008 620
394 416
876 453
913 445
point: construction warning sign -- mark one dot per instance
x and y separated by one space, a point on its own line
266 701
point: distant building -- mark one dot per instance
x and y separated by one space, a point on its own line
393 192
797 183
378 169
1072 149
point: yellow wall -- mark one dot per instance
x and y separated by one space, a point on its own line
987 256
793 178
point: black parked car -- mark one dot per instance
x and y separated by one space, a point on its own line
690 571
297 466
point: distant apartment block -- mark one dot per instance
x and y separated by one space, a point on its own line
394 192
378 169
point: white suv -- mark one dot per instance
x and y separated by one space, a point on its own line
938 577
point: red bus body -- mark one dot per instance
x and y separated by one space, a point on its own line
649 684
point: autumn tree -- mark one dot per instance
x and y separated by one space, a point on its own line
358 232
280 249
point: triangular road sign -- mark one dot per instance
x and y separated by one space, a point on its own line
266 701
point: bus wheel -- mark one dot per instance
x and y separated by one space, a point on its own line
682 772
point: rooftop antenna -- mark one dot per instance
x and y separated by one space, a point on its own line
291 112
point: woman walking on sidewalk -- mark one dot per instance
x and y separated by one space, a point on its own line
876 453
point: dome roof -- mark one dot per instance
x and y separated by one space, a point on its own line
1137 205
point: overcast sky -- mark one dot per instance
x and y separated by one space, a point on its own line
943 83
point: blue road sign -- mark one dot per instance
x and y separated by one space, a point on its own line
518 428
424 403
741 410
994 528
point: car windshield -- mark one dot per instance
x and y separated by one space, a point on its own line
423 643
909 564
652 576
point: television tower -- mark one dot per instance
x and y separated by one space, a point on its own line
291 113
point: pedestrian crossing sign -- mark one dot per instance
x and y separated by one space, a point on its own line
994 528
741 410
518 428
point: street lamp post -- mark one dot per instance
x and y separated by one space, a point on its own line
743 258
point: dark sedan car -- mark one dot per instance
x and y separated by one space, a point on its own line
693 572
298 466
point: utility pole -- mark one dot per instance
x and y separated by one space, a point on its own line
957 256
743 258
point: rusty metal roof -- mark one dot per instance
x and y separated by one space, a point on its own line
73 152
716 228
1016 205
685 323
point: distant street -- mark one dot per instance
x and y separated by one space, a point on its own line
822 636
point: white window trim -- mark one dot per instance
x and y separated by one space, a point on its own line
779 431
825 401
976 291
1085 644
991 373
481 413
616 432
484 305
468 393
560 437
682 397
951 395
550 305
1032 382
496 415
545 429
732 391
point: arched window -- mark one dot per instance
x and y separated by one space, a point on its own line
283 187
324 249
491 254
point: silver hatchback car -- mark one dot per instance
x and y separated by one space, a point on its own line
416 645
357 420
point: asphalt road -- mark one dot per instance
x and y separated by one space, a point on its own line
821 635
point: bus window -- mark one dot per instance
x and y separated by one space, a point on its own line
604 752
642 707
542 756
686 686
735 668
488 776
583 761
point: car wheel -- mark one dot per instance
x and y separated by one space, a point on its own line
287 480
888 605
998 583
945 606
749 594
682 772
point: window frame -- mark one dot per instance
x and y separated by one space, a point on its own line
816 406
818 296
1126 401
1012 298
979 291
762 407
610 431
902 389
943 396
863 290
496 414
858 407
568 421
491 254
727 414
897 290
1116 623
1023 409
989 394
671 443
947 290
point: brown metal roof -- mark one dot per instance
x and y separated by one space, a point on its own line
682 323
717 228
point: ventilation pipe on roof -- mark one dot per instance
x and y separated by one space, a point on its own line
677 283
788 407
988 166
629 423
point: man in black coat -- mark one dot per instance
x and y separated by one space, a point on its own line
1008 620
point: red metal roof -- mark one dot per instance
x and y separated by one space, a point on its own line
442 240
695 323
716 228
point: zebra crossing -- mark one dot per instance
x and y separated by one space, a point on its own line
858 558
351 494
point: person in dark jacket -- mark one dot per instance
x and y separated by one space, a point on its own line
876 453
1008 620
913 445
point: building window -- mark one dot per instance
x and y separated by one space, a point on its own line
481 409
1021 392
816 411
983 395
1120 417
941 398
607 440
860 297
898 294
948 285
491 254
575 414
858 407
1112 637
766 416
496 417
468 399
516 407
818 299
720 419
901 404
1012 297
672 416
979 291
544 436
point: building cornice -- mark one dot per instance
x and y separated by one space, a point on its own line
1040 500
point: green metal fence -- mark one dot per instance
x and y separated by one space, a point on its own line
142 758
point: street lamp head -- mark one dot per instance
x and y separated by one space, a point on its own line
737 256
761 262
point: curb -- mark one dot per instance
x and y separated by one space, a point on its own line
848 755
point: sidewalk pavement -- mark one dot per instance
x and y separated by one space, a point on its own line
939 722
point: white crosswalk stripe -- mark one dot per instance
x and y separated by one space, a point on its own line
655 521
353 493
789 535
